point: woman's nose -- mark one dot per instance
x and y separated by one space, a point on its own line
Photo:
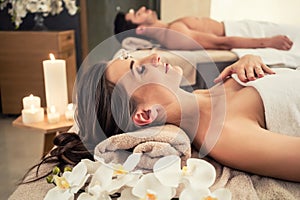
155 59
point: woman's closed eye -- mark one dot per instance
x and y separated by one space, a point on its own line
141 69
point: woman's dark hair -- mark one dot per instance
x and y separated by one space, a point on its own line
69 150
107 99
124 28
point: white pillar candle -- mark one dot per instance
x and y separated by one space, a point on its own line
32 115
52 115
56 84
70 112
30 101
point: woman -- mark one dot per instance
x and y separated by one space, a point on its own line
227 122
244 142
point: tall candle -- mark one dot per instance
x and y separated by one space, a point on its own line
30 101
56 83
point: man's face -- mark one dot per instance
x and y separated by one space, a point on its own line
142 16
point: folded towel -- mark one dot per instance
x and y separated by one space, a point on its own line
280 94
152 142
247 186
257 29
133 43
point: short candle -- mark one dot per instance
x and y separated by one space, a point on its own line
32 115
70 112
31 100
53 115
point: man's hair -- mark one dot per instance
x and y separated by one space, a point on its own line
122 25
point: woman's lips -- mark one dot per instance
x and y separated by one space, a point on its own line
167 67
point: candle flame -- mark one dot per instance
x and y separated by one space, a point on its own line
52 57
31 96
70 106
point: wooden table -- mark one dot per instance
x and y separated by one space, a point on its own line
48 130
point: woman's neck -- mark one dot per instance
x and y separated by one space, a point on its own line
189 109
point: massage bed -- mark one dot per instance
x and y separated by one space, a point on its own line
242 185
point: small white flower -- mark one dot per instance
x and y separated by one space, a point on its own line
205 194
71 6
150 188
20 8
69 184
126 194
109 178
198 173
91 165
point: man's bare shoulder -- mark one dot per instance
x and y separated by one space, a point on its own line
199 24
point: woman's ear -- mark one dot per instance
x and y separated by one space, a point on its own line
145 116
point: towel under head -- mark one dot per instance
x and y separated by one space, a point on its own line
153 143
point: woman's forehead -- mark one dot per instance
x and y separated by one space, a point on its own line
116 69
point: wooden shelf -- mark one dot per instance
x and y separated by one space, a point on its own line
45 126
48 130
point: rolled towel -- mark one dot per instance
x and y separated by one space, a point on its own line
153 143
132 43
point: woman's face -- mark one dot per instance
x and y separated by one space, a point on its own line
147 79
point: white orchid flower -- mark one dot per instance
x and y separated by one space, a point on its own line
198 173
126 194
109 178
205 194
99 185
69 184
71 6
150 188
18 9
91 166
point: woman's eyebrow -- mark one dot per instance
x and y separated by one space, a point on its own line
131 64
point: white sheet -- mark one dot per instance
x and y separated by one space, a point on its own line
249 28
281 97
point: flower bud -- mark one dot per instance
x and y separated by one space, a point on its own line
67 168
49 179
56 170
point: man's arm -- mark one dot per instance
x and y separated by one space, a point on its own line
280 42
211 41
182 38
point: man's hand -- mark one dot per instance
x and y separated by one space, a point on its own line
281 42
248 68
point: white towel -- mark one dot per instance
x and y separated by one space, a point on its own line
256 29
133 43
280 94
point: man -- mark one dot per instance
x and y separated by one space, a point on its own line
205 32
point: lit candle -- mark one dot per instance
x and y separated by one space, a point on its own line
52 115
31 101
32 115
56 83
70 112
